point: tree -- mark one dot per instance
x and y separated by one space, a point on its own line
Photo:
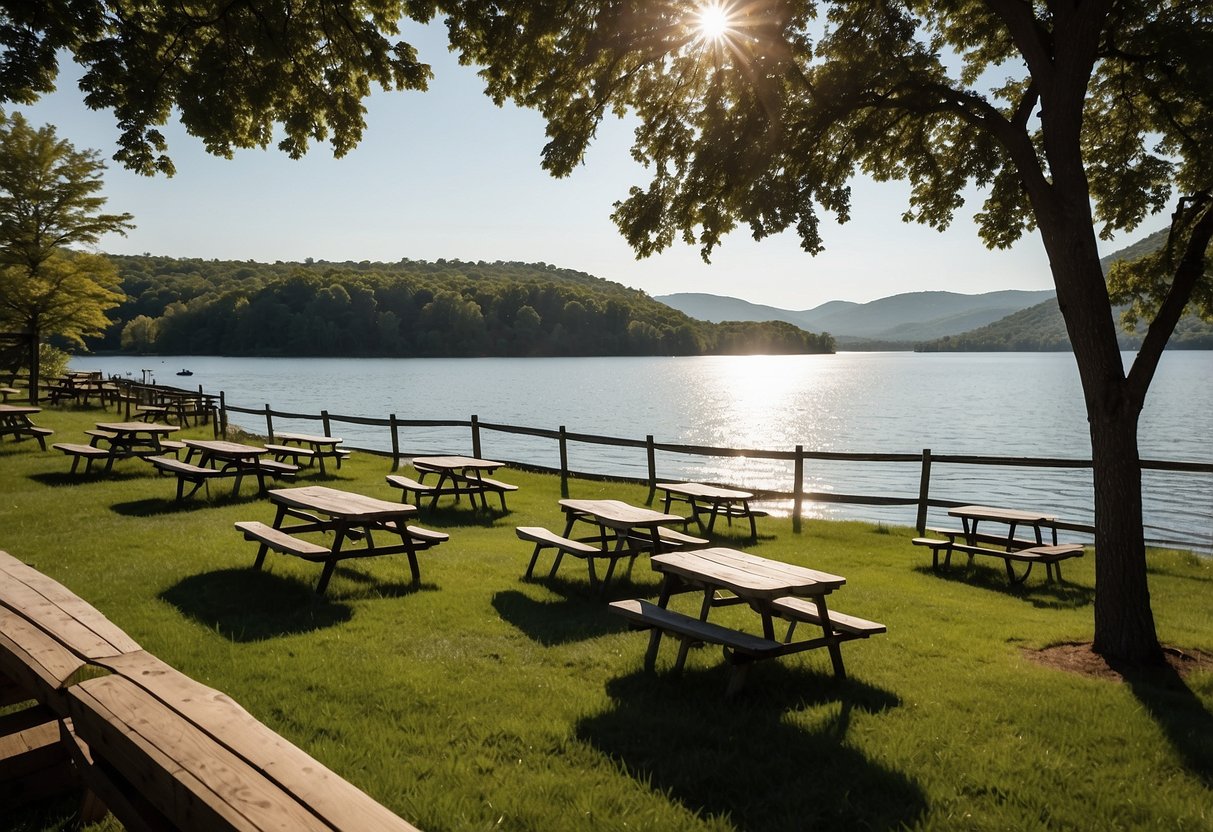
1069 115
233 71
48 202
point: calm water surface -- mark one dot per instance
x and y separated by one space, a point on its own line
1001 404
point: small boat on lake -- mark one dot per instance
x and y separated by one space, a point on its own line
185 372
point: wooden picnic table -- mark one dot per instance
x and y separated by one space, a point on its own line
232 459
771 588
15 422
713 501
321 446
351 518
1003 543
457 476
622 528
127 439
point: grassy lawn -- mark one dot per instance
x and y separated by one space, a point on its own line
480 701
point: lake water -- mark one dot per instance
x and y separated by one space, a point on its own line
998 404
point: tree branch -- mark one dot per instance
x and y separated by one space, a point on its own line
1189 271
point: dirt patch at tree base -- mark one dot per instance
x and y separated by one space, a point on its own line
1078 657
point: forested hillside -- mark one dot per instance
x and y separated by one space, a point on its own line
410 308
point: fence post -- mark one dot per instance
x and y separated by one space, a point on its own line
564 463
475 436
924 491
269 422
798 488
324 417
651 453
395 442
222 414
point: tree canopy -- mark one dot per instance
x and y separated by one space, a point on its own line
232 71
48 203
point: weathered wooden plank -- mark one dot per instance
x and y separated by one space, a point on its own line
39 664
197 783
341 804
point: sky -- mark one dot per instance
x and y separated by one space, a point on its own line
448 174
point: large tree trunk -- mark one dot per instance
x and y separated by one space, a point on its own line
1124 622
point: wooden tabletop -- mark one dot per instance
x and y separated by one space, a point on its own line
136 427
17 410
618 514
1001 515
746 575
457 463
707 492
337 503
310 437
225 449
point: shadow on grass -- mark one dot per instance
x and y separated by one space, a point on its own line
1035 591
1179 713
250 605
555 622
458 516
745 761
58 479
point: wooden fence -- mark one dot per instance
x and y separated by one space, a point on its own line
798 456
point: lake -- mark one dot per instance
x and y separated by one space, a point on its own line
999 404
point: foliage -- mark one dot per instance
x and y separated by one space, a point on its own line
48 202
233 72
411 308
482 701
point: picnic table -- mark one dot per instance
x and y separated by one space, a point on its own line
121 440
621 531
317 447
15 422
351 518
459 476
1003 542
771 588
217 459
712 501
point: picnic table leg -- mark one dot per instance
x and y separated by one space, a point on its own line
745 506
330 563
823 614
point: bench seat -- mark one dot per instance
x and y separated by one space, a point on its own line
78 452
186 472
802 609
741 649
279 541
407 484
294 452
181 755
1050 556
546 539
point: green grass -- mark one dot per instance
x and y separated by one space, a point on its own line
484 702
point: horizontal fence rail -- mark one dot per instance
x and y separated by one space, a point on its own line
798 495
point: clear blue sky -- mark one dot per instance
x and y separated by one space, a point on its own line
446 174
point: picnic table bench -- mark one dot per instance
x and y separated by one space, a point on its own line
712 501
457 476
154 747
321 447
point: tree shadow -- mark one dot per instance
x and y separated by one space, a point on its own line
551 623
624 583
1178 711
456 516
59 479
246 605
1038 593
743 760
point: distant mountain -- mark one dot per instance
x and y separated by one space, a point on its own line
1042 328
905 318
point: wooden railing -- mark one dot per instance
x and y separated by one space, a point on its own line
922 501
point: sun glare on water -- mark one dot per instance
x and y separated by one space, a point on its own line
715 22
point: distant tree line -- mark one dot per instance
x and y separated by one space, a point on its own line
410 308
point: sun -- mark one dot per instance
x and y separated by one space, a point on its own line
715 21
